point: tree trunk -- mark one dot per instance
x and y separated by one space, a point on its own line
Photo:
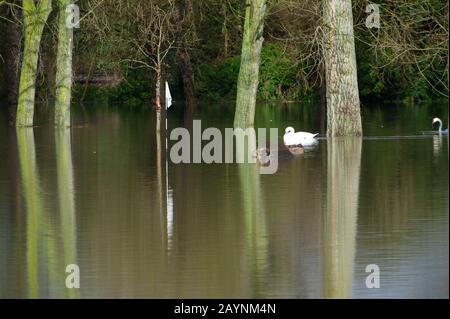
158 88
11 53
35 17
184 54
343 108
250 59
63 68
225 29
188 78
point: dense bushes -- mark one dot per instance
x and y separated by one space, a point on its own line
218 80
278 75
132 92
277 79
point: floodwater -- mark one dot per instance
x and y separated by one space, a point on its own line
97 196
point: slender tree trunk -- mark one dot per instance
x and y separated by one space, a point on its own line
250 59
225 29
343 106
187 74
11 52
88 78
184 54
158 88
35 17
63 67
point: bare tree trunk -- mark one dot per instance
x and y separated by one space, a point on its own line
250 59
11 53
63 68
225 29
35 16
343 106
188 79
158 88
189 38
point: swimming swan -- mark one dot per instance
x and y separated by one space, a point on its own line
440 131
292 138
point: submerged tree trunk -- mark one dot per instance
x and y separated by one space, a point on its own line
34 17
11 54
63 67
250 59
343 107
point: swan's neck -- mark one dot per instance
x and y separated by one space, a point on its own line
440 125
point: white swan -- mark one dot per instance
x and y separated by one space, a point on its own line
298 138
440 131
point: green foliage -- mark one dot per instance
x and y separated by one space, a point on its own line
93 94
382 80
134 92
218 81
277 76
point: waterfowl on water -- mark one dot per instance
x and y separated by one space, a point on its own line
265 155
440 131
292 138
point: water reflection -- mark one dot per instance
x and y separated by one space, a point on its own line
437 144
66 199
34 209
99 196
159 175
51 241
162 173
169 218
253 209
343 171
